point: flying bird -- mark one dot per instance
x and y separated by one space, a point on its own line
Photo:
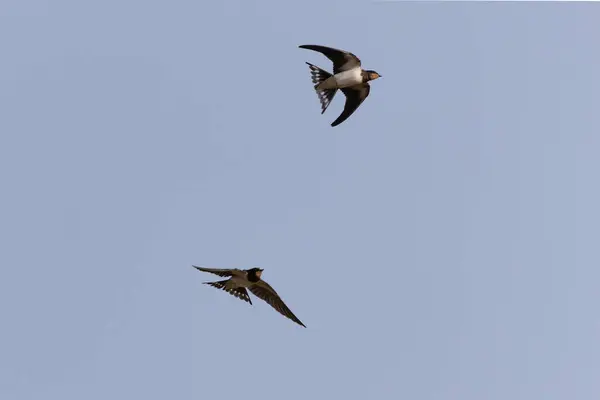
348 76
242 279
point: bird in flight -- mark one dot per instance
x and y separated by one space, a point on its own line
348 76
242 279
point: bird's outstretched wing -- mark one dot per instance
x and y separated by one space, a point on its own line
265 292
217 271
355 95
342 60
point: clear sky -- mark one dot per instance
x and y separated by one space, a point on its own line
442 243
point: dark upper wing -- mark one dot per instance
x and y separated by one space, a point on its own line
216 271
240 292
265 292
342 60
354 98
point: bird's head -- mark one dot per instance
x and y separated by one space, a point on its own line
372 75
256 271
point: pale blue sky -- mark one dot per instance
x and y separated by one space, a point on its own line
442 243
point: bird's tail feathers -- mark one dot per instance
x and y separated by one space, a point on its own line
239 292
218 284
319 76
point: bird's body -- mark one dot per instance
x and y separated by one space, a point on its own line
348 76
342 79
242 279
239 281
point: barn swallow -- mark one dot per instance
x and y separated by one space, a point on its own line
348 76
240 279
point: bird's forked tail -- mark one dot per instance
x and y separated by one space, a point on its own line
325 95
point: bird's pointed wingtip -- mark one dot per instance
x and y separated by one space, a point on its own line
299 322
